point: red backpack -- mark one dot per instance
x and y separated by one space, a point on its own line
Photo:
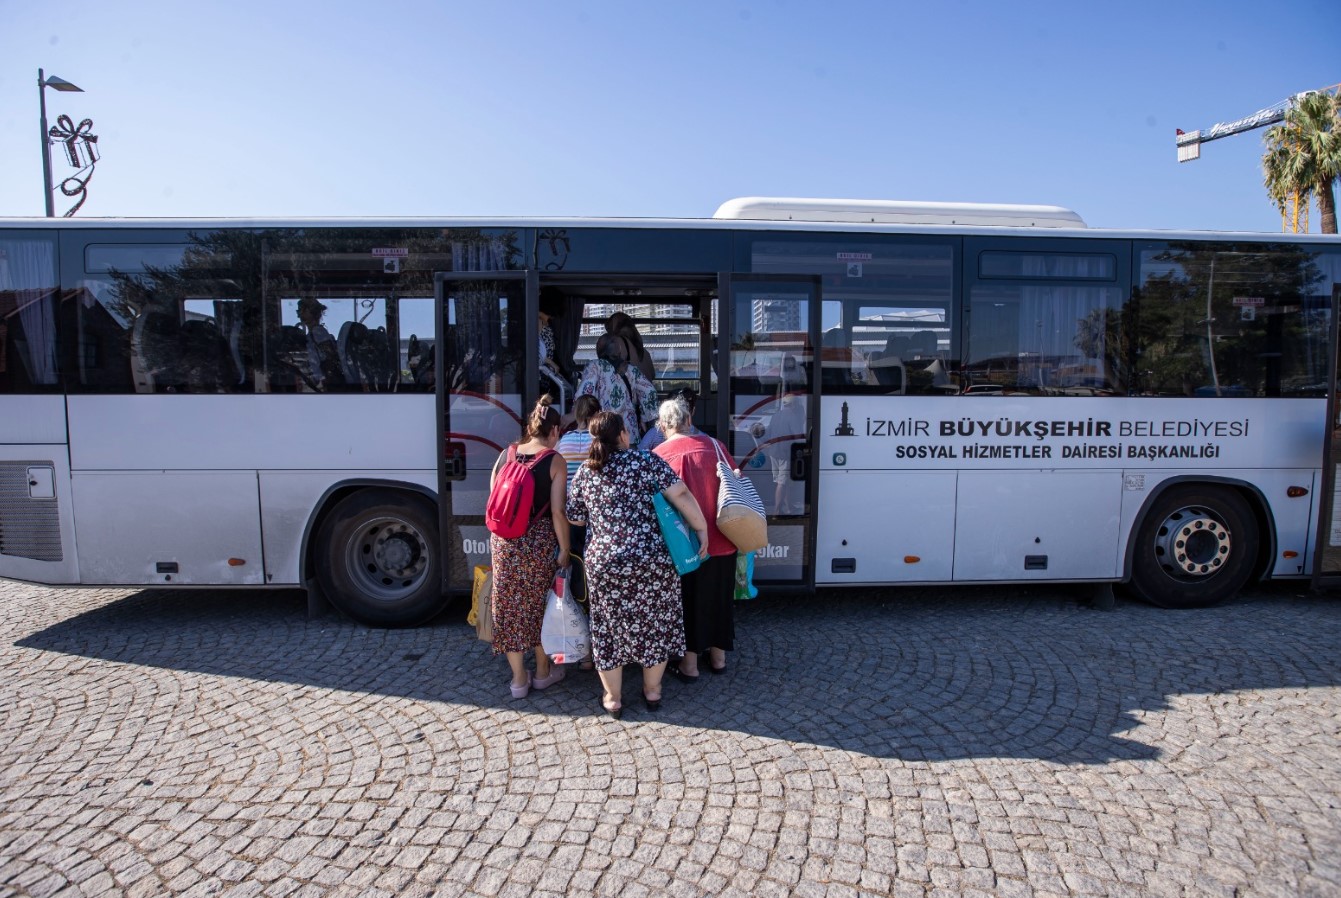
508 512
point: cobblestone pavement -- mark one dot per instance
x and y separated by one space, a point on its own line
909 742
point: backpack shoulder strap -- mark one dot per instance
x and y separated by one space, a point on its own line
542 455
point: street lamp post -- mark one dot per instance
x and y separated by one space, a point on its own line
42 84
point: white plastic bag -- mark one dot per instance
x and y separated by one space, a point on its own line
564 634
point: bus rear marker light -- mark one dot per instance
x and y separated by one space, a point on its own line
1290 553
1295 492
236 562
911 559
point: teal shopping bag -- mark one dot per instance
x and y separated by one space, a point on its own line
680 540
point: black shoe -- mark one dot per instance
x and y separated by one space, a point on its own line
682 676
653 704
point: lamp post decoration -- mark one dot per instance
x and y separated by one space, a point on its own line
79 141
81 151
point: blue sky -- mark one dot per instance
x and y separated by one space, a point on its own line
667 109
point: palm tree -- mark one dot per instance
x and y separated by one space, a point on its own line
1303 155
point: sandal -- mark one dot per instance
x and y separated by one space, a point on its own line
616 712
521 691
556 673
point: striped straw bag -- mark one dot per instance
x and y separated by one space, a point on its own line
740 511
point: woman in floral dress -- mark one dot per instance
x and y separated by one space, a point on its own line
524 567
619 386
632 587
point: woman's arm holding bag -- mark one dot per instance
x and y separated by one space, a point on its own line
679 496
558 506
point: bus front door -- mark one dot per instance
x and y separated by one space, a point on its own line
773 403
480 368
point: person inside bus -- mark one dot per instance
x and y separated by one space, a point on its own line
656 434
786 426
523 567
621 325
575 447
552 379
708 592
633 588
323 357
619 386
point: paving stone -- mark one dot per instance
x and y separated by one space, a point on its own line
212 743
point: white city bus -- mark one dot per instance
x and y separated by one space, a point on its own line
922 393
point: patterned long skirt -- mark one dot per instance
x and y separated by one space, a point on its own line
523 574
636 615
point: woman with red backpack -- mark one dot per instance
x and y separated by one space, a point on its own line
528 542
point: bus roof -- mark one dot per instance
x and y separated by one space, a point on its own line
760 208
730 224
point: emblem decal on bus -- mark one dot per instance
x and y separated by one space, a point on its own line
845 428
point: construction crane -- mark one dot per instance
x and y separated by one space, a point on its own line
1295 212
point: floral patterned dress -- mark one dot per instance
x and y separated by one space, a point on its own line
523 572
612 389
632 587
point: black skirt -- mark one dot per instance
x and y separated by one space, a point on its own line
709 605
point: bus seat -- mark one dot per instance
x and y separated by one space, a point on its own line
349 333
887 366
924 345
202 360
289 360
836 358
375 359
234 342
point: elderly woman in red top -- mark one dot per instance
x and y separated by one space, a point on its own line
707 592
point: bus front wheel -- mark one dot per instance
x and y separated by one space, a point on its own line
378 559
1196 547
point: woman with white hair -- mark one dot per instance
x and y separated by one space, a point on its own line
709 591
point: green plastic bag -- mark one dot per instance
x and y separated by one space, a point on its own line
745 588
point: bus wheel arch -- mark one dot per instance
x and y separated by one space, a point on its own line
1198 542
375 552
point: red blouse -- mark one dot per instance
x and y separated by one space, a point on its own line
695 461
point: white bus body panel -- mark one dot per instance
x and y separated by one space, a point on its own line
219 477
1292 518
1068 517
41 478
130 522
33 419
35 473
289 432
288 499
1073 473
881 518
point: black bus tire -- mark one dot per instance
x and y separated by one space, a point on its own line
1196 546
378 559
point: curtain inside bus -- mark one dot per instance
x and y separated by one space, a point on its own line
28 292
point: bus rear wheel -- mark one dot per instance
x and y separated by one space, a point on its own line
378 559
1196 547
